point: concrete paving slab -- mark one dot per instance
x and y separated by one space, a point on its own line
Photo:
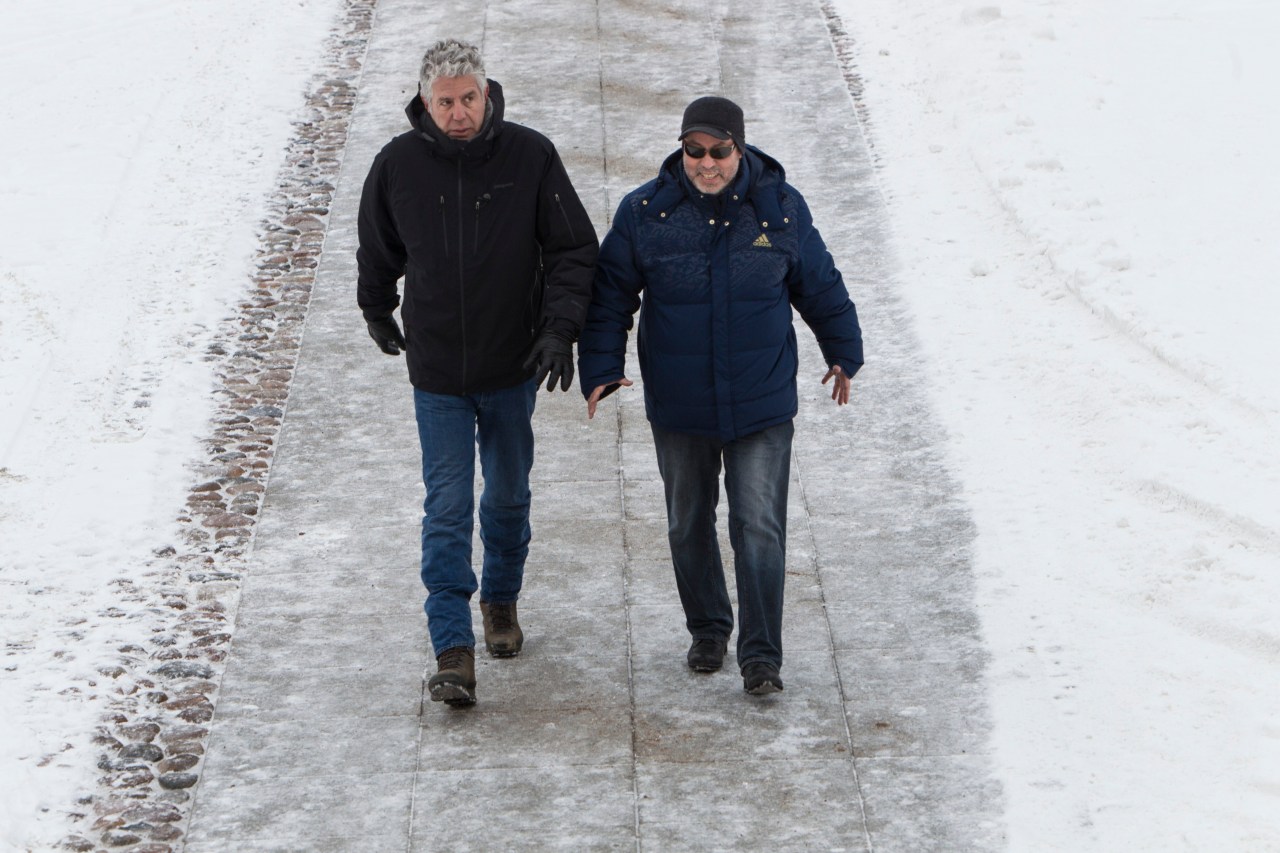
304 500
598 737
652 582
688 717
638 460
894 708
566 543
936 803
497 734
306 541
577 505
364 591
659 629
571 630
751 805
338 640
550 807
873 623
327 746
596 585
544 679
384 840
277 691
375 807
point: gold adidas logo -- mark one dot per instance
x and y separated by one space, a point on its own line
763 242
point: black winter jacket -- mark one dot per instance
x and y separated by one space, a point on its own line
492 242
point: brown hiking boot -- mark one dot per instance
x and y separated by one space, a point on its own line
502 635
455 682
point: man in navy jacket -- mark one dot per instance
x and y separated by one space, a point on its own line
479 217
722 249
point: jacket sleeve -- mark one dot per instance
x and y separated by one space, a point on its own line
817 291
381 256
615 298
569 248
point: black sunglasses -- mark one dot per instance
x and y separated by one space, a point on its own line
719 152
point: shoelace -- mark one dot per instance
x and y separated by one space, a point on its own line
500 616
453 658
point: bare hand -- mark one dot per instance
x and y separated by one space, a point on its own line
840 390
600 391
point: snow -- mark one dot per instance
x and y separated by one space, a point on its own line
1085 206
1085 209
141 140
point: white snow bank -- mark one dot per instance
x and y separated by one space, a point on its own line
140 141
1086 209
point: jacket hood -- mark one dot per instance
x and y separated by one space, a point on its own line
765 178
445 145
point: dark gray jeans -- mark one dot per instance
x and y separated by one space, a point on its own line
757 470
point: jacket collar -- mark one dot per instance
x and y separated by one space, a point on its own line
759 180
443 145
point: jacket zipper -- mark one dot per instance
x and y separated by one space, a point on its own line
535 300
462 283
444 228
480 201
565 214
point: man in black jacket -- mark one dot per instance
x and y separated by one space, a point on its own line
479 217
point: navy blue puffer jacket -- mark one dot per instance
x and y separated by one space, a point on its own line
719 276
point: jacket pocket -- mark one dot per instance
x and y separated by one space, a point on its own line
565 215
482 201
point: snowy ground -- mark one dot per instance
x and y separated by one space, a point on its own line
140 143
1085 211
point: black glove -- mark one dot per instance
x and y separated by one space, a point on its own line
552 357
386 334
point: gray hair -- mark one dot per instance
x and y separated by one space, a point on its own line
451 58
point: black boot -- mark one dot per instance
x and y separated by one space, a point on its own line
707 654
761 677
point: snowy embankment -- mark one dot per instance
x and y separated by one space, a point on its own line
140 145
1085 208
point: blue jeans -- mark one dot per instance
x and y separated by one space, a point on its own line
450 427
757 469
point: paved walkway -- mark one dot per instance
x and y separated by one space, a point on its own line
597 736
